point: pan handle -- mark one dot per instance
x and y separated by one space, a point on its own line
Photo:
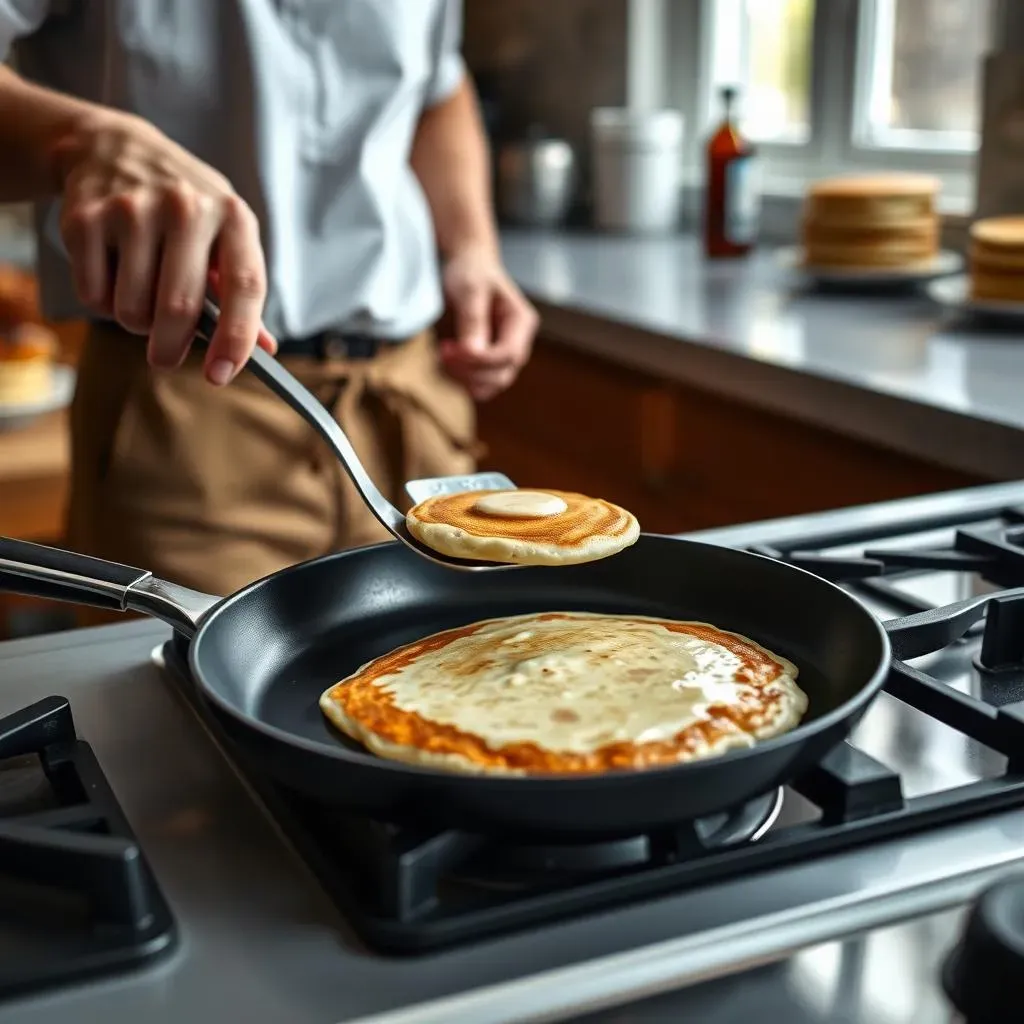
924 632
40 571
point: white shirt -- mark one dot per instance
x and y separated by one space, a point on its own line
308 107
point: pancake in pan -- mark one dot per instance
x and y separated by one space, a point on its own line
523 527
567 692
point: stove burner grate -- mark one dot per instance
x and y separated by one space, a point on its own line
77 898
993 549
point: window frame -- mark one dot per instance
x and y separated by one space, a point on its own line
922 147
839 75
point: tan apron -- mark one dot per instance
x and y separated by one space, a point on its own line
214 489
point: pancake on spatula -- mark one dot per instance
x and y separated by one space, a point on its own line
522 527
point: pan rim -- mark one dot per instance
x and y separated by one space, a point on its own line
845 711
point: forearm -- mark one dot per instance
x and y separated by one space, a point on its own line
32 121
450 156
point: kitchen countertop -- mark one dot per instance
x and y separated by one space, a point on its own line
891 369
888 369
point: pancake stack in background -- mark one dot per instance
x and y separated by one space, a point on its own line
996 259
877 222
27 348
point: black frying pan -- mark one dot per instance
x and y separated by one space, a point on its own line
263 656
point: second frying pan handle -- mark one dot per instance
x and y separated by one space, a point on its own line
57 575
924 632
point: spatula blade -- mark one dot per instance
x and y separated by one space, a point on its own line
420 490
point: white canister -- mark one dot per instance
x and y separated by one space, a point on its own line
638 161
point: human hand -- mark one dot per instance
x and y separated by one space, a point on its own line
492 324
144 222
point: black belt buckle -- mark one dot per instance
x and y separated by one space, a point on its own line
335 345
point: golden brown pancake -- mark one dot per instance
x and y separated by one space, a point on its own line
523 527
567 693
27 356
914 244
884 221
996 259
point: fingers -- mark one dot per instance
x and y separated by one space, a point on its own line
192 225
265 340
511 324
140 219
471 302
481 382
484 385
242 287
515 325
82 228
136 237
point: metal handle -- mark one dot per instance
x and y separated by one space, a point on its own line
272 373
57 575
924 632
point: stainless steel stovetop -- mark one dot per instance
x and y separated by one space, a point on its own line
852 936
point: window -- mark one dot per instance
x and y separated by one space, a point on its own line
837 85
919 84
764 46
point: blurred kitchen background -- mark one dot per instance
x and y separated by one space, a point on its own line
824 87
600 112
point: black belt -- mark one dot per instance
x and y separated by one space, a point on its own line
327 345
333 345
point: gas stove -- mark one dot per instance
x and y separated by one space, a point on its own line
287 909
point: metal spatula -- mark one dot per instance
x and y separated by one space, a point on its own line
285 386
430 487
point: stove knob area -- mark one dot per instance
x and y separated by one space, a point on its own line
984 974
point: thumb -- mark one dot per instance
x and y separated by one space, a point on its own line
472 321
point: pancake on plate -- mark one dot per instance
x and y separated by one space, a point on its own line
567 692
27 348
27 359
996 259
874 221
524 527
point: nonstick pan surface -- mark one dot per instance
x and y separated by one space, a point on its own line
263 657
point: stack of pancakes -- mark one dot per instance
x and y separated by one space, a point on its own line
879 221
27 348
997 259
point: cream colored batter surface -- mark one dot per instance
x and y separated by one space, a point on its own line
567 692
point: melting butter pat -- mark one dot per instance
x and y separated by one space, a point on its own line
520 504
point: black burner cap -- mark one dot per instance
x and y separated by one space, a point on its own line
984 974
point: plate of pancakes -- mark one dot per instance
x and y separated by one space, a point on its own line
994 282
794 259
871 230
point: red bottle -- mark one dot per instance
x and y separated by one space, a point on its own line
732 201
